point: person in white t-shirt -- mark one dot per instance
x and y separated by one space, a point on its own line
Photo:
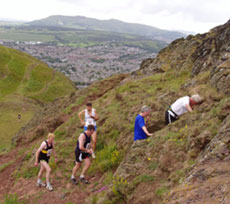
181 106
90 118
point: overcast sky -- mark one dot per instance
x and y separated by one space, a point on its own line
189 15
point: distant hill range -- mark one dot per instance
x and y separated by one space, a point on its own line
112 25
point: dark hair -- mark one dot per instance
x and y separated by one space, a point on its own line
90 127
88 104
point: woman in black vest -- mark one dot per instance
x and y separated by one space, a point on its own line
42 156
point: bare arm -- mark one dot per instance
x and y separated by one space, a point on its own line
79 115
146 131
43 145
188 107
94 141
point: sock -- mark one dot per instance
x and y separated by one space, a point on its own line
39 181
72 176
82 176
48 184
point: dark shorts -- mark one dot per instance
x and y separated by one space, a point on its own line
80 156
169 118
43 158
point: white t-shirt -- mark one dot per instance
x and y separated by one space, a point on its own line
179 106
88 119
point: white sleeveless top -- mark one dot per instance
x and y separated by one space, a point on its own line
88 119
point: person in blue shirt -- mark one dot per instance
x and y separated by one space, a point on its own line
140 130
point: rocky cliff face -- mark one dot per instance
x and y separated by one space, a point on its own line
200 53
185 162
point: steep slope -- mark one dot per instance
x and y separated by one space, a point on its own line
25 85
185 162
112 25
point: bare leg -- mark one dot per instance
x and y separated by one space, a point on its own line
94 140
75 168
41 171
48 170
86 166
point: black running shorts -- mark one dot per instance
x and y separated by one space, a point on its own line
80 156
44 158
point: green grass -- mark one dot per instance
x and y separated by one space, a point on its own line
18 35
39 77
144 178
22 78
41 82
59 86
161 191
10 124
106 159
12 199
5 165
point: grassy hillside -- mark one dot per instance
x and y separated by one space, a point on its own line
25 85
187 161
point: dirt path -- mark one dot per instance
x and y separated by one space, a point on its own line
26 189
47 84
28 71
64 191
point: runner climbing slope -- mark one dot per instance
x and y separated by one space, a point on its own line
83 152
42 156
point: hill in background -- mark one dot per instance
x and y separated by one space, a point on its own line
82 55
112 25
87 49
26 84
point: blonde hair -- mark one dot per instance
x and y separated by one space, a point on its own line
51 135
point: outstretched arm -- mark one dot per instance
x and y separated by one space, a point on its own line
146 131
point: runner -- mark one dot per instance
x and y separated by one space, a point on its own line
42 156
19 117
181 106
90 119
83 152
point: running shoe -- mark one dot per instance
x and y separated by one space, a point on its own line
74 181
41 184
49 187
83 180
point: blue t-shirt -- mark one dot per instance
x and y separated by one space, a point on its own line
139 134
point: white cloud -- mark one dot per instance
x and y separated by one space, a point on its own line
194 15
